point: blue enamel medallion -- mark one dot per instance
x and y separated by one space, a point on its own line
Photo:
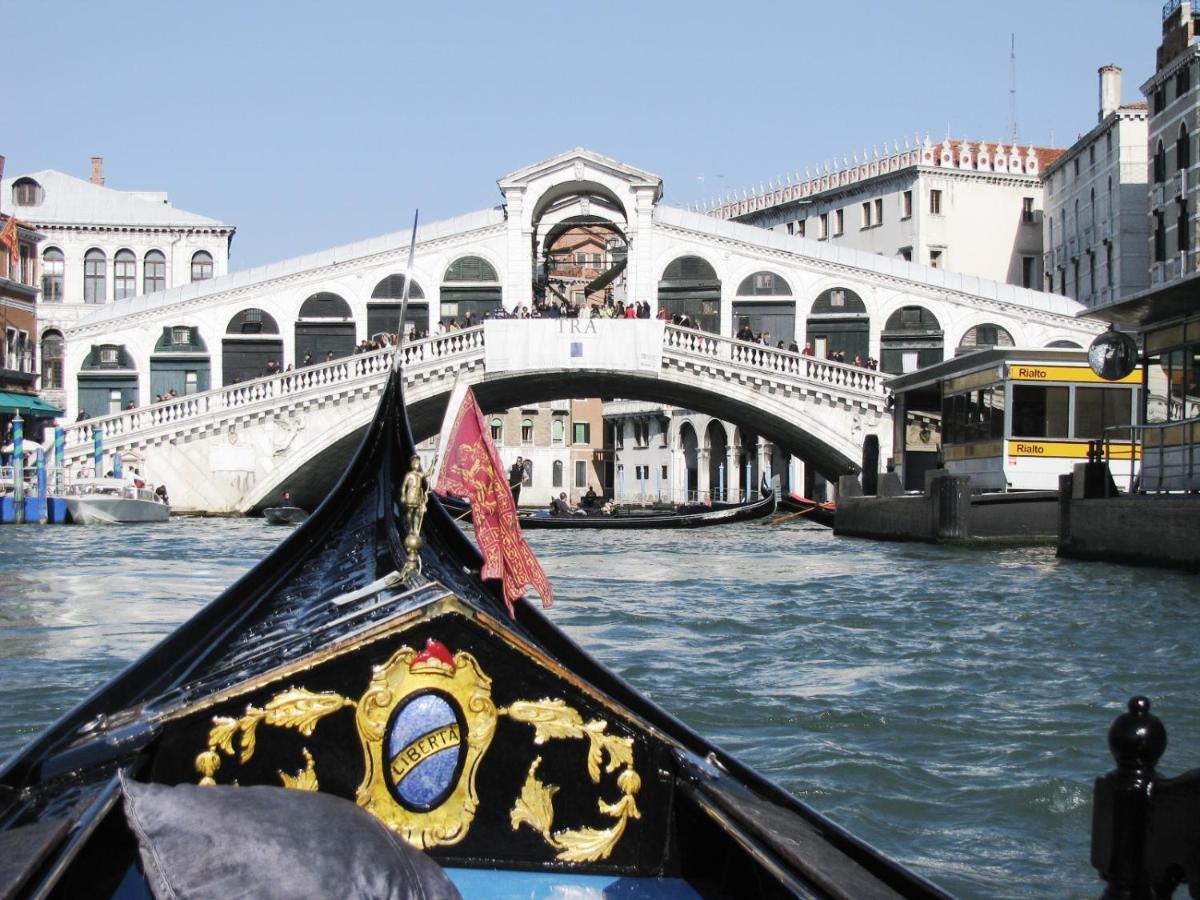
423 748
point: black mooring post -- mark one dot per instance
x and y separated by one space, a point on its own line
870 465
1145 828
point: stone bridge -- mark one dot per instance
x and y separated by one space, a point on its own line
231 449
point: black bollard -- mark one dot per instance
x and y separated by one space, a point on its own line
870 465
1145 828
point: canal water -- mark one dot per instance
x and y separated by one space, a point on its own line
947 704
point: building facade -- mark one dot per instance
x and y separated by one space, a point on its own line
974 208
1173 95
103 245
18 329
1096 222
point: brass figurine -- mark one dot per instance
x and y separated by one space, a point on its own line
414 495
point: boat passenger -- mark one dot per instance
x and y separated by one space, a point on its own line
560 506
590 498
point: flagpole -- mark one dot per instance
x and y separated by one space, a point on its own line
408 273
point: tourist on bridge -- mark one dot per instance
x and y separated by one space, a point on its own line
516 477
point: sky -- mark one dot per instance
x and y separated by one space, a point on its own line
312 124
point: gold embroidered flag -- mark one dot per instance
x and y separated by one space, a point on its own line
471 468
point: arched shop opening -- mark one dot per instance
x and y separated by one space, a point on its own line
720 481
251 342
838 324
912 338
179 362
688 448
383 309
325 325
764 304
983 337
107 380
690 287
470 286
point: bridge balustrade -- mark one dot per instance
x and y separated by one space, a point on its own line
784 362
316 378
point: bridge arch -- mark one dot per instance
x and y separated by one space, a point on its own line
383 308
324 325
689 285
251 343
179 362
839 322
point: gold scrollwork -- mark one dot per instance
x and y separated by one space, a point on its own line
553 719
294 708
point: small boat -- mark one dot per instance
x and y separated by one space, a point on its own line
284 515
363 675
690 516
113 501
811 510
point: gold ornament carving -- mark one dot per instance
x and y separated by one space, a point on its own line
465 688
551 720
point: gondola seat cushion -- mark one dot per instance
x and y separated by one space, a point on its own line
271 842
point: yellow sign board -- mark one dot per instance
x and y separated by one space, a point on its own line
1029 448
1074 374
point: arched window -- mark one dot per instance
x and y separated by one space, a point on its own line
154 272
52 360
764 284
1160 164
527 431
1183 148
986 335
497 431
53 269
94 265
471 268
27 192
252 321
202 265
124 275
325 306
690 287
392 288
557 431
556 474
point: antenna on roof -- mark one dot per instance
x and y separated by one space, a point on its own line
1012 88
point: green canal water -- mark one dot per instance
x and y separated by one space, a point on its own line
947 704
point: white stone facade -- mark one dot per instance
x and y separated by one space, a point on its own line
137 240
964 206
1096 226
1173 97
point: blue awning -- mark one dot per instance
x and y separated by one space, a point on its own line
27 405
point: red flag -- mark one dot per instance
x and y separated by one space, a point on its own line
8 238
471 468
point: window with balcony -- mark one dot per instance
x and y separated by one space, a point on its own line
154 272
202 265
935 202
124 274
54 267
94 266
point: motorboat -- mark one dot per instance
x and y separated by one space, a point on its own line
113 501
364 708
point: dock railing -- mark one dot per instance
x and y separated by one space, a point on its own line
1166 452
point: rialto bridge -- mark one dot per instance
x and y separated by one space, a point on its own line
237 429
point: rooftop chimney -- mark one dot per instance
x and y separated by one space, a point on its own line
1110 90
97 170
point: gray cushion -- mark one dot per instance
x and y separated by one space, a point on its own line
270 842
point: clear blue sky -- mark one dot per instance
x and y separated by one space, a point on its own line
309 124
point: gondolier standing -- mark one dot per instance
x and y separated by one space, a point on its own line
516 475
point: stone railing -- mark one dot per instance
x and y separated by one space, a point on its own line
768 359
273 390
